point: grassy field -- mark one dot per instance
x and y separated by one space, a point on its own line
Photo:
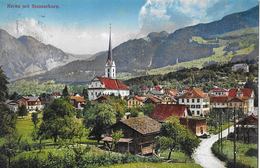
177 156
155 165
246 153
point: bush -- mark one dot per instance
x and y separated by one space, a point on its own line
86 161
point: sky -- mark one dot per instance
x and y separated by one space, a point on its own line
82 26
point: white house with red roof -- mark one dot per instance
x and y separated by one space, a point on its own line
108 84
216 91
196 100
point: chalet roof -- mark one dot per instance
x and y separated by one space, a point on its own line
163 111
123 140
153 98
138 98
31 98
219 99
193 93
171 92
143 125
77 98
114 84
249 120
102 98
11 102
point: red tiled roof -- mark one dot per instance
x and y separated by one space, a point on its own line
219 99
194 93
236 99
163 111
114 84
246 92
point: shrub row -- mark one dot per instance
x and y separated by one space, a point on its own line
70 161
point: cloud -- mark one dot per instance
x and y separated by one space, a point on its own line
169 15
72 39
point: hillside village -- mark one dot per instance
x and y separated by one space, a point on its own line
141 117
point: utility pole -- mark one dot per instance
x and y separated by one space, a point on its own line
218 113
235 138
221 120
228 111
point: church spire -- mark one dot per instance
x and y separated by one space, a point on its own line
109 56
110 68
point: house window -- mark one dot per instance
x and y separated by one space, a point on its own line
197 106
198 100
188 100
192 112
182 100
198 112
192 100
192 106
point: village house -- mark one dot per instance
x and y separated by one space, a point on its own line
151 99
218 92
242 67
12 105
161 112
196 100
242 98
78 101
197 125
107 85
166 99
247 129
219 102
135 101
32 103
139 135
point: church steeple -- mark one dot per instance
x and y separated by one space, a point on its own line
109 56
110 69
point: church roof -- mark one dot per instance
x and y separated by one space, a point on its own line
114 84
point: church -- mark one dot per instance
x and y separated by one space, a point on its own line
108 84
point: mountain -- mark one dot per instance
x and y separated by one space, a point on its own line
209 40
26 56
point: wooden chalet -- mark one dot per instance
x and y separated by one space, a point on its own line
247 129
139 134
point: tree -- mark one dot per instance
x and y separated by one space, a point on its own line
99 117
175 136
22 111
65 92
119 105
85 93
147 108
35 119
3 86
59 122
7 120
10 148
15 96
115 138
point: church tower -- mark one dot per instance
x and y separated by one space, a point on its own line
110 68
